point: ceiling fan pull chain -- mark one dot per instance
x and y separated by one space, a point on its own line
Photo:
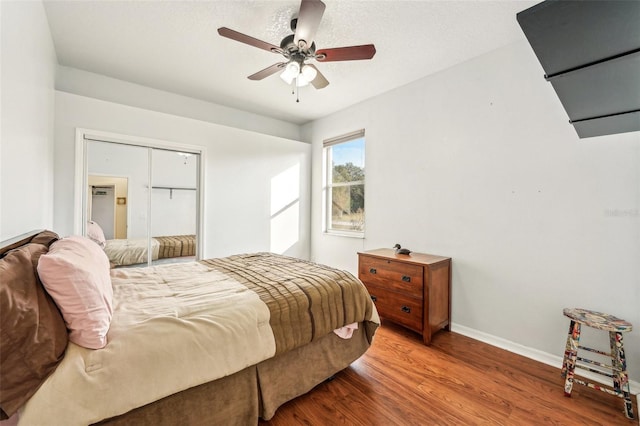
297 90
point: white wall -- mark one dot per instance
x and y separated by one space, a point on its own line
241 167
27 114
479 163
98 86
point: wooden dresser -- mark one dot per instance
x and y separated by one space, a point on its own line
413 290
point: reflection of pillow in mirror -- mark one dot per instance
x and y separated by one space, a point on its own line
75 273
95 233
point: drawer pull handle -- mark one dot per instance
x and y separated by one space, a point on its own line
406 278
374 298
372 270
406 309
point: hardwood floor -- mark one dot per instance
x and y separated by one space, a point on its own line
455 381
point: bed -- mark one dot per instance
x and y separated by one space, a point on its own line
219 341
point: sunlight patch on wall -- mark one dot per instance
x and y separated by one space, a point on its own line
285 209
284 229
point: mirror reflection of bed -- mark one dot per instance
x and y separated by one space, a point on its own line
132 252
141 203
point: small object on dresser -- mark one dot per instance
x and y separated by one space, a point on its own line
400 250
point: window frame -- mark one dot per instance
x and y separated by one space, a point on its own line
328 185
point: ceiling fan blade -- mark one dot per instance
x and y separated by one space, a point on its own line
309 18
243 38
351 53
320 82
268 71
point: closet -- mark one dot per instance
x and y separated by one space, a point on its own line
143 196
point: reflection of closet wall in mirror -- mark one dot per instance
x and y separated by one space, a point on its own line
130 162
173 196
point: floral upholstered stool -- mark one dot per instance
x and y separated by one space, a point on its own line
617 371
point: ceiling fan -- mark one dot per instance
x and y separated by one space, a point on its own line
299 48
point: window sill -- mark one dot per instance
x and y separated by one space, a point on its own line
358 235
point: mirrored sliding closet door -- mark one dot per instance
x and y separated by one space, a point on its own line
141 203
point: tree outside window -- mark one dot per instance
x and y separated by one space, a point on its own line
345 174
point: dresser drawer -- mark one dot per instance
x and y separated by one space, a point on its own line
397 307
403 277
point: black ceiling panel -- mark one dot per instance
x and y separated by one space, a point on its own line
590 52
603 89
622 123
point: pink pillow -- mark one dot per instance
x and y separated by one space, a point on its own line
75 273
96 234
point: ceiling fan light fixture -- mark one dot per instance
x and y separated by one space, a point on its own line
286 77
309 72
290 72
301 81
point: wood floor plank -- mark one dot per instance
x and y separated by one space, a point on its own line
455 381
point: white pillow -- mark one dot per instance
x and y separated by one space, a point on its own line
95 233
75 273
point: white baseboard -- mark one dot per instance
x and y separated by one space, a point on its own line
535 354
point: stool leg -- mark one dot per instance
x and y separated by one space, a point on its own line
570 355
620 376
567 351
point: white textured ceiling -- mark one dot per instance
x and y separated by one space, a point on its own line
174 46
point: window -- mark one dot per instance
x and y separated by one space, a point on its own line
344 184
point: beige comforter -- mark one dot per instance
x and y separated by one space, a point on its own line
174 327
177 326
